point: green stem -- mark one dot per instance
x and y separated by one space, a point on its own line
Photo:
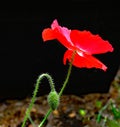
46 116
31 121
62 89
52 89
35 93
101 111
68 74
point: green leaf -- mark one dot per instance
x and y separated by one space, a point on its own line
82 112
98 104
99 117
115 111
112 123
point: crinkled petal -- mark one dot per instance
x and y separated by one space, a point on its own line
48 34
89 43
63 30
62 34
83 60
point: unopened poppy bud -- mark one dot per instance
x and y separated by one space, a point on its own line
53 99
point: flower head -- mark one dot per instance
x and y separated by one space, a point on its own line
83 42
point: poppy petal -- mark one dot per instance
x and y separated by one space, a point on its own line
89 43
83 60
62 34
48 34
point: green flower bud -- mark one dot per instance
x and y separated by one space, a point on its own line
53 99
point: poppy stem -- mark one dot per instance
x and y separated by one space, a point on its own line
52 90
46 116
35 93
62 89
68 74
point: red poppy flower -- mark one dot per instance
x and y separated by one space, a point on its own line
83 42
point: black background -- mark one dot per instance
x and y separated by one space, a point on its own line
24 55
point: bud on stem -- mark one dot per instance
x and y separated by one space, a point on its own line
53 99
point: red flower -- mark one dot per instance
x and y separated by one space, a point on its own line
84 42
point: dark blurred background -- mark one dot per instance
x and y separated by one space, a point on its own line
24 56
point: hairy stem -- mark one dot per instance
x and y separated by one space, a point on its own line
46 116
35 93
68 74
63 87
